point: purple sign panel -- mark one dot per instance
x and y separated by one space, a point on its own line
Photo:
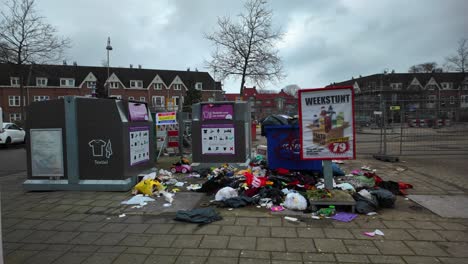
218 139
217 111
137 112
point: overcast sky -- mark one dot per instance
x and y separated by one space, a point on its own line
325 41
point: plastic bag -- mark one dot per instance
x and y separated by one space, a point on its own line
225 193
385 198
364 205
147 187
295 201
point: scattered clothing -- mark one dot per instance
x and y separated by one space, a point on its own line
198 216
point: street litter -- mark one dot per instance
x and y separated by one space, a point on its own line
122 215
344 217
292 219
167 205
199 216
372 213
179 184
372 234
193 187
138 200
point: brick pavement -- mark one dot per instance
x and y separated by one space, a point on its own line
83 227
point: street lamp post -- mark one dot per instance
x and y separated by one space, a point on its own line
108 48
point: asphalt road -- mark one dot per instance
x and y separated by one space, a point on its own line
12 160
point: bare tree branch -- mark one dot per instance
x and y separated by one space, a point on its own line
246 47
459 61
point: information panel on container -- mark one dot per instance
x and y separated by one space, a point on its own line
327 123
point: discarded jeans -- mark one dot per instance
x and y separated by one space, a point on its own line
199 216
237 202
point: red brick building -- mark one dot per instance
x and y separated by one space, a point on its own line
264 104
161 89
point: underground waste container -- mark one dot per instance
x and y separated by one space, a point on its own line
284 147
82 143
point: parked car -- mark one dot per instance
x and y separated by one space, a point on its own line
11 133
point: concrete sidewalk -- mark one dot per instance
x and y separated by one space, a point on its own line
84 227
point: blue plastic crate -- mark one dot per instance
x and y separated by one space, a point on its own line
284 146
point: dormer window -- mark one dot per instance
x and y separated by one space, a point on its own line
199 86
396 86
136 84
91 85
15 81
158 86
114 85
177 86
447 85
67 82
41 81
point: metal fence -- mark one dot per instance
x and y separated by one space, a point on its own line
411 127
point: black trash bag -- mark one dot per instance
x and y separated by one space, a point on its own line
392 186
385 198
198 216
273 120
236 202
213 185
364 205
276 195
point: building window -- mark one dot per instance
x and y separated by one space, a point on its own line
452 99
65 82
15 117
15 81
176 100
40 81
158 86
431 98
38 98
117 96
136 84
396 86
91 85
447 85
114 85
142 99
13 100
60 97
199 86
157 101
131 98
177 86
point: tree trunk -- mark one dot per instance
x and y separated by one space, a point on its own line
242 85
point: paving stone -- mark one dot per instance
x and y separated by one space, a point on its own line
49 225
453 226
421 260
135 240
61 208
191 260
287 223
368 223
424 225
73 258
159 228
285 262
187 241
310 232
255 254
253 261
69 226
397 224
456 249
396 234
227 220
136 228
300 245
139 250
338 224
195 252
33 247
247 221
17 235
207 230
134 219
60 247
270 244
425 248
130 258
62 237
114 227
19 256
167 251
110 239
390 247
84 248
337 233
75 217
152 259
28 224
455 236
257 231
232 230
112 249
270 222
79 209
363 248
161 241
386 259
84 201
183 229
242 242
214 241
359 234
428 235
232 253
89 227
286 256
283 232
330 245
95 218
39 236
319 257
12 246
454 260
101 258
45 257
352 258
222 260
86 238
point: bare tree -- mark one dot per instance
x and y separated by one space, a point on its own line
26 38
291 89
246 47
459 61
425 68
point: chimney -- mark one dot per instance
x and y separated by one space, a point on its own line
139 66
196 69
131 66
64 62
75 64
188 69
